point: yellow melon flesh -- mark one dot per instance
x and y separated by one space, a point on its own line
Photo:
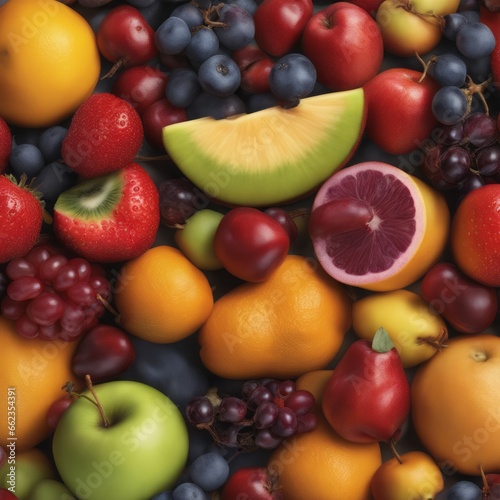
271 156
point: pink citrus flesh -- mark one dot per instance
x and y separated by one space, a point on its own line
376 227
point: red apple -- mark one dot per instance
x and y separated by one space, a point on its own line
345 45
279 24
140 86
251 483
5 144
400 115
158 115
56 410
475 235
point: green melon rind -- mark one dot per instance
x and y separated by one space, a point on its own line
235 182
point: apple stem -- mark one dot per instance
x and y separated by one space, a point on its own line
486 488
436 342
90 387
118 64
392 445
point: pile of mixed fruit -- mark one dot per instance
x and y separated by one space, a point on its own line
249 249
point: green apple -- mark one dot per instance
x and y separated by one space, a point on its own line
412 26
196 239
50 489
132 448
23 470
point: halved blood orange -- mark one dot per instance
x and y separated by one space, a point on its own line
376 227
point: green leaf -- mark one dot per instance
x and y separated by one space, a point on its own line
382 341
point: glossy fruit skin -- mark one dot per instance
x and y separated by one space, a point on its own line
324 42
5 144
492 20
160 446
255 66
137 216
370 6
475 235
20 219
140 86
250 244
405 31
157 115
255 329
105 135
457 390
40 87
368 395
125 34
417 474
400 116
280 23
103 353
467 305
38 384
251 482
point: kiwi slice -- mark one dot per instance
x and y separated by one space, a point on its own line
271 156
93 199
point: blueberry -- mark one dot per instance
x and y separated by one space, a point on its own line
54 179
464 490
209 471
50 143
26 159
219 75
172 36
188 491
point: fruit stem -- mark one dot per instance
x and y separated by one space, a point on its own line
425 65
435 342
485 489
207 17
109 307
476 88
118 64
392 445
69 388
429 16
104 418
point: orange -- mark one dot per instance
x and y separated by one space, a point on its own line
456 404
161 296
321 465
49 62
292 323
32 375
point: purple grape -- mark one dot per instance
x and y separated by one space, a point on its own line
265 415
266 440
200 410
307 422
229 436
286 423
452 134
454 164
248 387
239 28
283 217
232 409
470 183
258 396
286 388
300 402
179 199
480 130
488 160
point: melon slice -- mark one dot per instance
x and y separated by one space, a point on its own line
271 156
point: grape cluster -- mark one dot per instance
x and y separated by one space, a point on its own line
43 161
267 412
474 42
51 296
467 155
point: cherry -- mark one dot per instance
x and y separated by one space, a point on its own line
250 244
254 65
125 38
141 86
157 115
103 353
252 482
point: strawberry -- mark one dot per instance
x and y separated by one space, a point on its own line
111 218
5 144
105 135
21 217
